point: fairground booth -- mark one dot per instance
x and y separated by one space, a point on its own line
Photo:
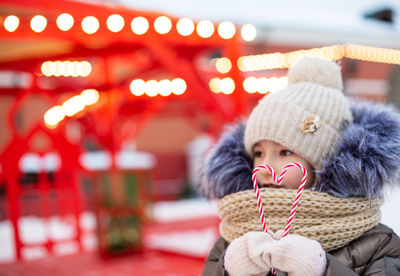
107 111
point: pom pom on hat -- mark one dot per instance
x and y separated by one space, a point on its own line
316 70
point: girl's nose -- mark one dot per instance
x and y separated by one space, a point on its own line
270 162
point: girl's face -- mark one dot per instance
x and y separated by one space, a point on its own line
277 157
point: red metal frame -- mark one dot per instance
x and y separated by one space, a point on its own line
115 121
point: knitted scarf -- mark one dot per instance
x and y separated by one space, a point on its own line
330 220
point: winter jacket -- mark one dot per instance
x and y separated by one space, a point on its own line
376 252
364 161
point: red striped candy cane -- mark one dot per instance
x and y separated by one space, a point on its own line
279 181
259 202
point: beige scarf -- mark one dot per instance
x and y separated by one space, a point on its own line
332 221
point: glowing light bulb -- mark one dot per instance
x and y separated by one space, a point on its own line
205 28
139 25
38 23
45 68
90 24
151 88
73 105
165 88
162 25
11 23
90 96
227 86
86 68
262 85
57 68
53 116
248 32
69 69
178 86
185 26
214 85
250 84
137 87
223 65
226 30
115 23
65 22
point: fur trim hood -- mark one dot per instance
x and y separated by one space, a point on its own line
366 159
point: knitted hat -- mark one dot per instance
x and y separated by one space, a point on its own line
307 116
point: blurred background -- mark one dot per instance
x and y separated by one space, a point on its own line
107 108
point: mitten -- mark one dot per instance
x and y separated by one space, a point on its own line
245 255
297 255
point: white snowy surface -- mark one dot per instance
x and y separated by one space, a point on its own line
183 209
37 230
193 243
292 22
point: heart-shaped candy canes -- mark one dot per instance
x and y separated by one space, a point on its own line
279 181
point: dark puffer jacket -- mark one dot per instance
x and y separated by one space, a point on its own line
365 161
376 252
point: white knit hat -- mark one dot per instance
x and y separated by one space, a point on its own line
307 116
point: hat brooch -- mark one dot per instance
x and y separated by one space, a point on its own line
310 124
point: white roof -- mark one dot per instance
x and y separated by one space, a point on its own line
308 22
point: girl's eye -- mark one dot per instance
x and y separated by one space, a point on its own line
258 154
286 152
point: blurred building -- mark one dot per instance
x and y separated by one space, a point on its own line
363 38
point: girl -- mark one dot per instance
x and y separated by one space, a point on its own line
351 152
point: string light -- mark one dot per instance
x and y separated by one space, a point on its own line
214 85
223 65
373 54
185 26
70 107
178 86
205 28
263 85
227 86
115 23
53 116
90 24
90 96
66 68
65 22
334 52
138 87
250 84
152 88
165 87
139 25
11 23
226 29
73 105
38 23
286 60
162 24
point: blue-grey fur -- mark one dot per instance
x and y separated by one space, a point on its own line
366 159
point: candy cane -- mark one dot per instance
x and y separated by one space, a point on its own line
259 202
279 182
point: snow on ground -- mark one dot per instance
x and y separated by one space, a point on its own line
183 209
36 230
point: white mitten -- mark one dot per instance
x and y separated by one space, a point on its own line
297 255
245 255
